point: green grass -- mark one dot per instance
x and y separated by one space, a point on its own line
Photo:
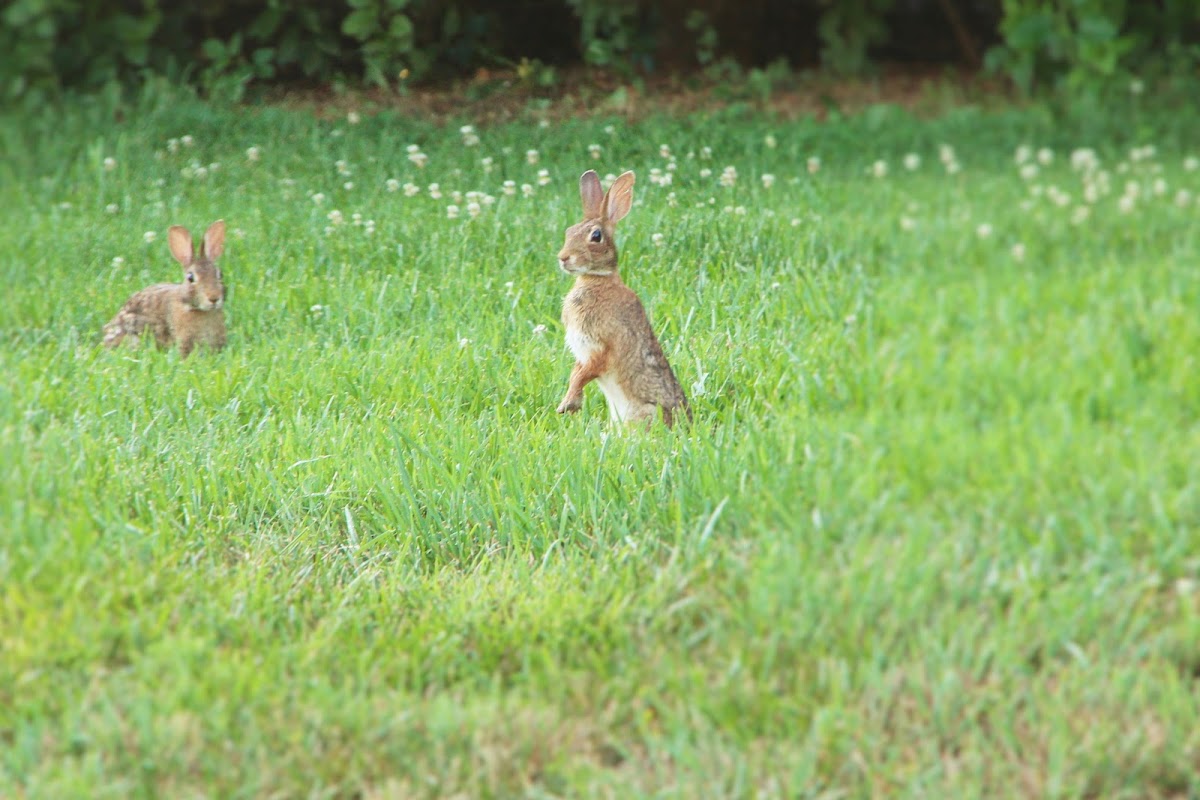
933 533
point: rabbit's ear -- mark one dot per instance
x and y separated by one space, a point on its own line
214 241
591 194
619 199
180 242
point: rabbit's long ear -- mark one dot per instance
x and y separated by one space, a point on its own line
214 241
619 199
180 242
591 194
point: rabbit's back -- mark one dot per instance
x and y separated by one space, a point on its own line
148 309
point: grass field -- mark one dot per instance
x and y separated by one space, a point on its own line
933 532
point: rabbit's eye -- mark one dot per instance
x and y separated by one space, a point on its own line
191 277
597 235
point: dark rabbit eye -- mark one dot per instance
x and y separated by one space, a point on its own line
596 235
191 277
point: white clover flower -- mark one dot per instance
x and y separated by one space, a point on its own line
907 223
594 151
393 185
469 137
912 162
342 167
488 164
664 151
539 329
348 185
984 230
1191 163
769 141
463 342
1045 156
727 210
768 180
1083 159
672 166
729 176
1160 187
420 159
411 190
335 217
413 148
112 208
316 309
610 129
435 191
187 141
705 152
1136 86
1023 154
318 198
879 169
1132 188
543 177
353 118
814 165
658 239
253 153
457 196
487 200
213 167
473 209
531 156
509 188
706 173
149 236
1018 251
946 153
740 211
452 212
526 190
1080 215
110 164
117 261
200 172
173 145
672 200
1091 193
1183 198
953 167
1029 172
1126 203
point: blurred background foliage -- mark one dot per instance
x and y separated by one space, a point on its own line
1087 47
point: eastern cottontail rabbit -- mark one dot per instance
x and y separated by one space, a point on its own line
191 312
607 327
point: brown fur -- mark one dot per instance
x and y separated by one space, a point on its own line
189 313
607 326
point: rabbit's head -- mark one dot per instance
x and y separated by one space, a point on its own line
201 276
589 248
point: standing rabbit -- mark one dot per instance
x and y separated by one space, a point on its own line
607 327
189 313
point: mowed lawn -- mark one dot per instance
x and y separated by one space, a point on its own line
934 531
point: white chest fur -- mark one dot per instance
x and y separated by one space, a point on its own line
583 347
